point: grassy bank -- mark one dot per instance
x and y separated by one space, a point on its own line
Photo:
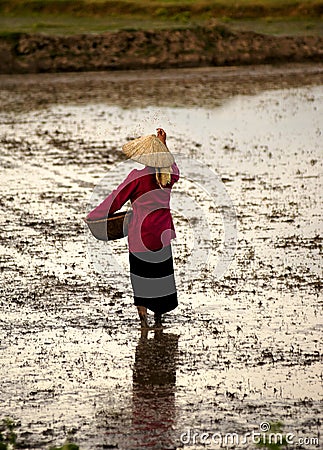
168 8
96 16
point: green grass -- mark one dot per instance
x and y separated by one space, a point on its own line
274 439
279 26
97 16
8 437
67 25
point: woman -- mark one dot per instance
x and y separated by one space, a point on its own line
151 228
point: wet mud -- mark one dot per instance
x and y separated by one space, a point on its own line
242 349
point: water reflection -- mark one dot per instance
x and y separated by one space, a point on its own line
154 380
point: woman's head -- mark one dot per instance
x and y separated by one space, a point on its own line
163 176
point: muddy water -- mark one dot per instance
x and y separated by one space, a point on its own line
243 347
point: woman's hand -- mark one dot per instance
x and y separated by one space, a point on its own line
161 135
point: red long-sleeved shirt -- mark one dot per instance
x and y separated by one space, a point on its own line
151 226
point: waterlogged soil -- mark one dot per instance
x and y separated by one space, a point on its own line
242 350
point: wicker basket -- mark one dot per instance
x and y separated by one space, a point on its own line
112 227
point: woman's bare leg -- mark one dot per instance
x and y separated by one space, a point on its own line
142 311
158 320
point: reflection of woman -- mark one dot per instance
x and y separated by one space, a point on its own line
151 228
154 381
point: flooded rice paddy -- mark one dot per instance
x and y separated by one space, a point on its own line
243 349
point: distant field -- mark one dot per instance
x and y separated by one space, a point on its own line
96 16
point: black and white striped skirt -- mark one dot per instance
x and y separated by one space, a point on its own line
152 279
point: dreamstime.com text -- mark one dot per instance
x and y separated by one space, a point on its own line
263 436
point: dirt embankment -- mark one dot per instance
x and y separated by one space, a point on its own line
207 46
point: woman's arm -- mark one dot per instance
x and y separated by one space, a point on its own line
175 172
162 136
115 200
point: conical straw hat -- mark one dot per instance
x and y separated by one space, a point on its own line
148 150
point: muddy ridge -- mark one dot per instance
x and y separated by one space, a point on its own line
214 45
